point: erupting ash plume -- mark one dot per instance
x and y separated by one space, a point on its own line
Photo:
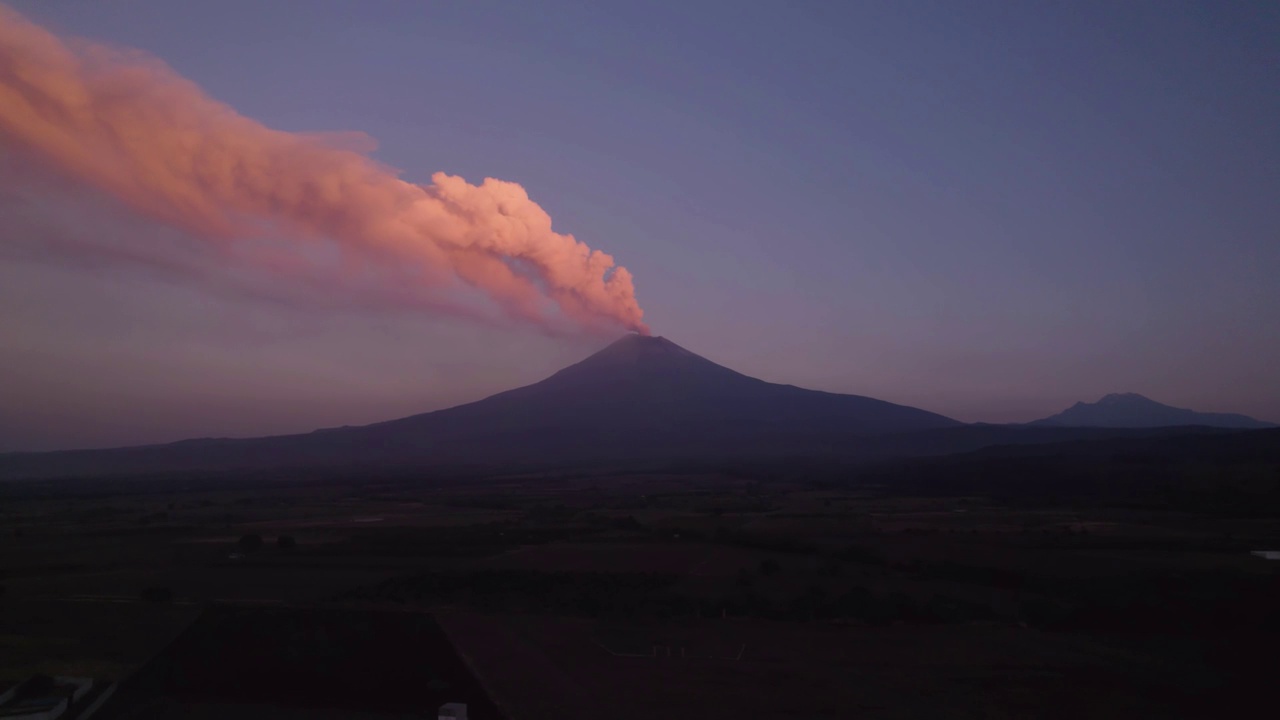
125 123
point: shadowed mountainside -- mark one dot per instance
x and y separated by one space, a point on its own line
639 398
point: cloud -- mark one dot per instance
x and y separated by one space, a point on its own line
307 208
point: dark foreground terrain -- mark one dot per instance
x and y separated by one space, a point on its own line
1063 582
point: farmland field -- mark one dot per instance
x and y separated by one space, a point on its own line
691 595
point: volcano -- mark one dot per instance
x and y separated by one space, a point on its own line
639 398
648 394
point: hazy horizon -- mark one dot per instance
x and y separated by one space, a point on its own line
365 421
988 212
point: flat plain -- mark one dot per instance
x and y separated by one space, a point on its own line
681 594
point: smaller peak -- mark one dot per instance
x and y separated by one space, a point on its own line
1124 397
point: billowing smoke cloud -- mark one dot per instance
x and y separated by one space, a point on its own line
125 123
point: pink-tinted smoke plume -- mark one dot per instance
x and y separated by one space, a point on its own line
125 123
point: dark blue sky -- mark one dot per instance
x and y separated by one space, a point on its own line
989 210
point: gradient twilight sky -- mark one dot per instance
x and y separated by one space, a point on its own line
989 210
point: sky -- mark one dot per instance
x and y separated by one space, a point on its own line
989 210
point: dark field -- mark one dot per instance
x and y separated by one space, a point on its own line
690 593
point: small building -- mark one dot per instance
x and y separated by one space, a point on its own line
452 711
273 660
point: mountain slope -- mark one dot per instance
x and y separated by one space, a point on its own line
650 383
641 397
1131 410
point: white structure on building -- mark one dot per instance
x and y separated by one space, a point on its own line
42 698
452 711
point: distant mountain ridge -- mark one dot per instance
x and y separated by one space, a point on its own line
1131 410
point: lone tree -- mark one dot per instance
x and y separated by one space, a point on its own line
249 543
286 542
